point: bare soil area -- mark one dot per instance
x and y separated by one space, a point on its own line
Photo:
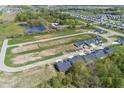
21 59
38 55
48 52
66 48
24 48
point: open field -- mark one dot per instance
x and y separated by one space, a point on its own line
33 37
1 42
9 30
116 37
7 17
28 78
119 49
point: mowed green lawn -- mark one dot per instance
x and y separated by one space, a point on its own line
9 29
116 37
1 42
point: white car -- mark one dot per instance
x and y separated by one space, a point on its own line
59 60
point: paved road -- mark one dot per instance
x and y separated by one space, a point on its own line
5 68
2 54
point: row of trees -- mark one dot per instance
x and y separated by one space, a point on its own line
104 73
32 18
49 16
25 16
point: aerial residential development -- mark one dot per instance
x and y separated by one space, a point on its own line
62 46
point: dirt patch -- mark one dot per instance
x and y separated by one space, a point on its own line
66 48
48 52
21 59
41 45
25 48
36 56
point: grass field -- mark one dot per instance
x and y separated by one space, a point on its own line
8 30
7 17
116 37
8 26
31 37
28 78
119 49
1 42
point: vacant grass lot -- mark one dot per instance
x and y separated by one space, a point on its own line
28 78
31 37
1 42
116 37
8 30
7 17
118 48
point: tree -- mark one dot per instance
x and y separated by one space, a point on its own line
67 80
25 16
80 74
107 68
118 82
106 82
56 82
